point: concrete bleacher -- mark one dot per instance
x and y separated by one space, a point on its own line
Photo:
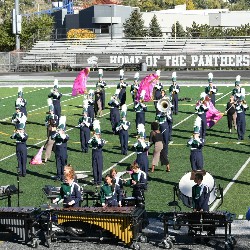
64 53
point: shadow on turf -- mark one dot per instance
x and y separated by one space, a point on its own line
217 177
228 149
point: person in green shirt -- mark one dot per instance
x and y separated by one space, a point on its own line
111 195
70 192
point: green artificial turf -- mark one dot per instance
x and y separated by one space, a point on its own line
223 157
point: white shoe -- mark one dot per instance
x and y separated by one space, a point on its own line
230 131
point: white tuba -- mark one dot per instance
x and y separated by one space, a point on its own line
164 105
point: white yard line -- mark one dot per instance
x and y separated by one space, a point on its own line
231 183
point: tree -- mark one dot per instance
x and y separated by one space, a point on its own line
134 25
36 27
154 28
190 5
180 32
80 34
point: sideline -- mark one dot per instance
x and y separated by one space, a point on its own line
231 183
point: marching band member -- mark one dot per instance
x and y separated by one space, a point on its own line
20 101
114 110
97 159
138 182
211 90
111 195
90 105
84 124
238 91
51 119
70 191
161 118
240 108
55 95
123 85
200 194
134 86
101 84
61 138
115 178
21 148
195 144
18 117
140 109
141 148
157 92
230 111
201 109
174 89
122 129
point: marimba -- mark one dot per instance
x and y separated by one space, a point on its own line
123 223
200 225
19 220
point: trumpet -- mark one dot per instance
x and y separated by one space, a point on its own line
164 105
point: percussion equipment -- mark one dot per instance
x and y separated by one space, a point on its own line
129 201
6 192
19 220
125 223
185 188
200 225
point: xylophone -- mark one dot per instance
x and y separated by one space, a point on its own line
200 225
124 223
19 220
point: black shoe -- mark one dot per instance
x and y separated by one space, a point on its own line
23 175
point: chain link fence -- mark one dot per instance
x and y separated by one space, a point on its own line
9 61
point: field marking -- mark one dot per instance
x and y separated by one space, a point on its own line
231 183
4 119
6 97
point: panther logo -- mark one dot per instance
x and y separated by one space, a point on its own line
92 60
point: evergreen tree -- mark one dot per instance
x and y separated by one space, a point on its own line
154 28
180 32
134 25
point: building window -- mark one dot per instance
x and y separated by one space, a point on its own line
104 29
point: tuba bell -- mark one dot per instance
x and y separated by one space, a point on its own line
164 105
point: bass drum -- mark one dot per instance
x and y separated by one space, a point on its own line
186 184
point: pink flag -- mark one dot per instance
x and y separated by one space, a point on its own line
37 159
212 115
147 84
80 82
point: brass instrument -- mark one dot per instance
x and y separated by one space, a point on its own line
164 105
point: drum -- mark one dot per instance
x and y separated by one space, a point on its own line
129 202
186 184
